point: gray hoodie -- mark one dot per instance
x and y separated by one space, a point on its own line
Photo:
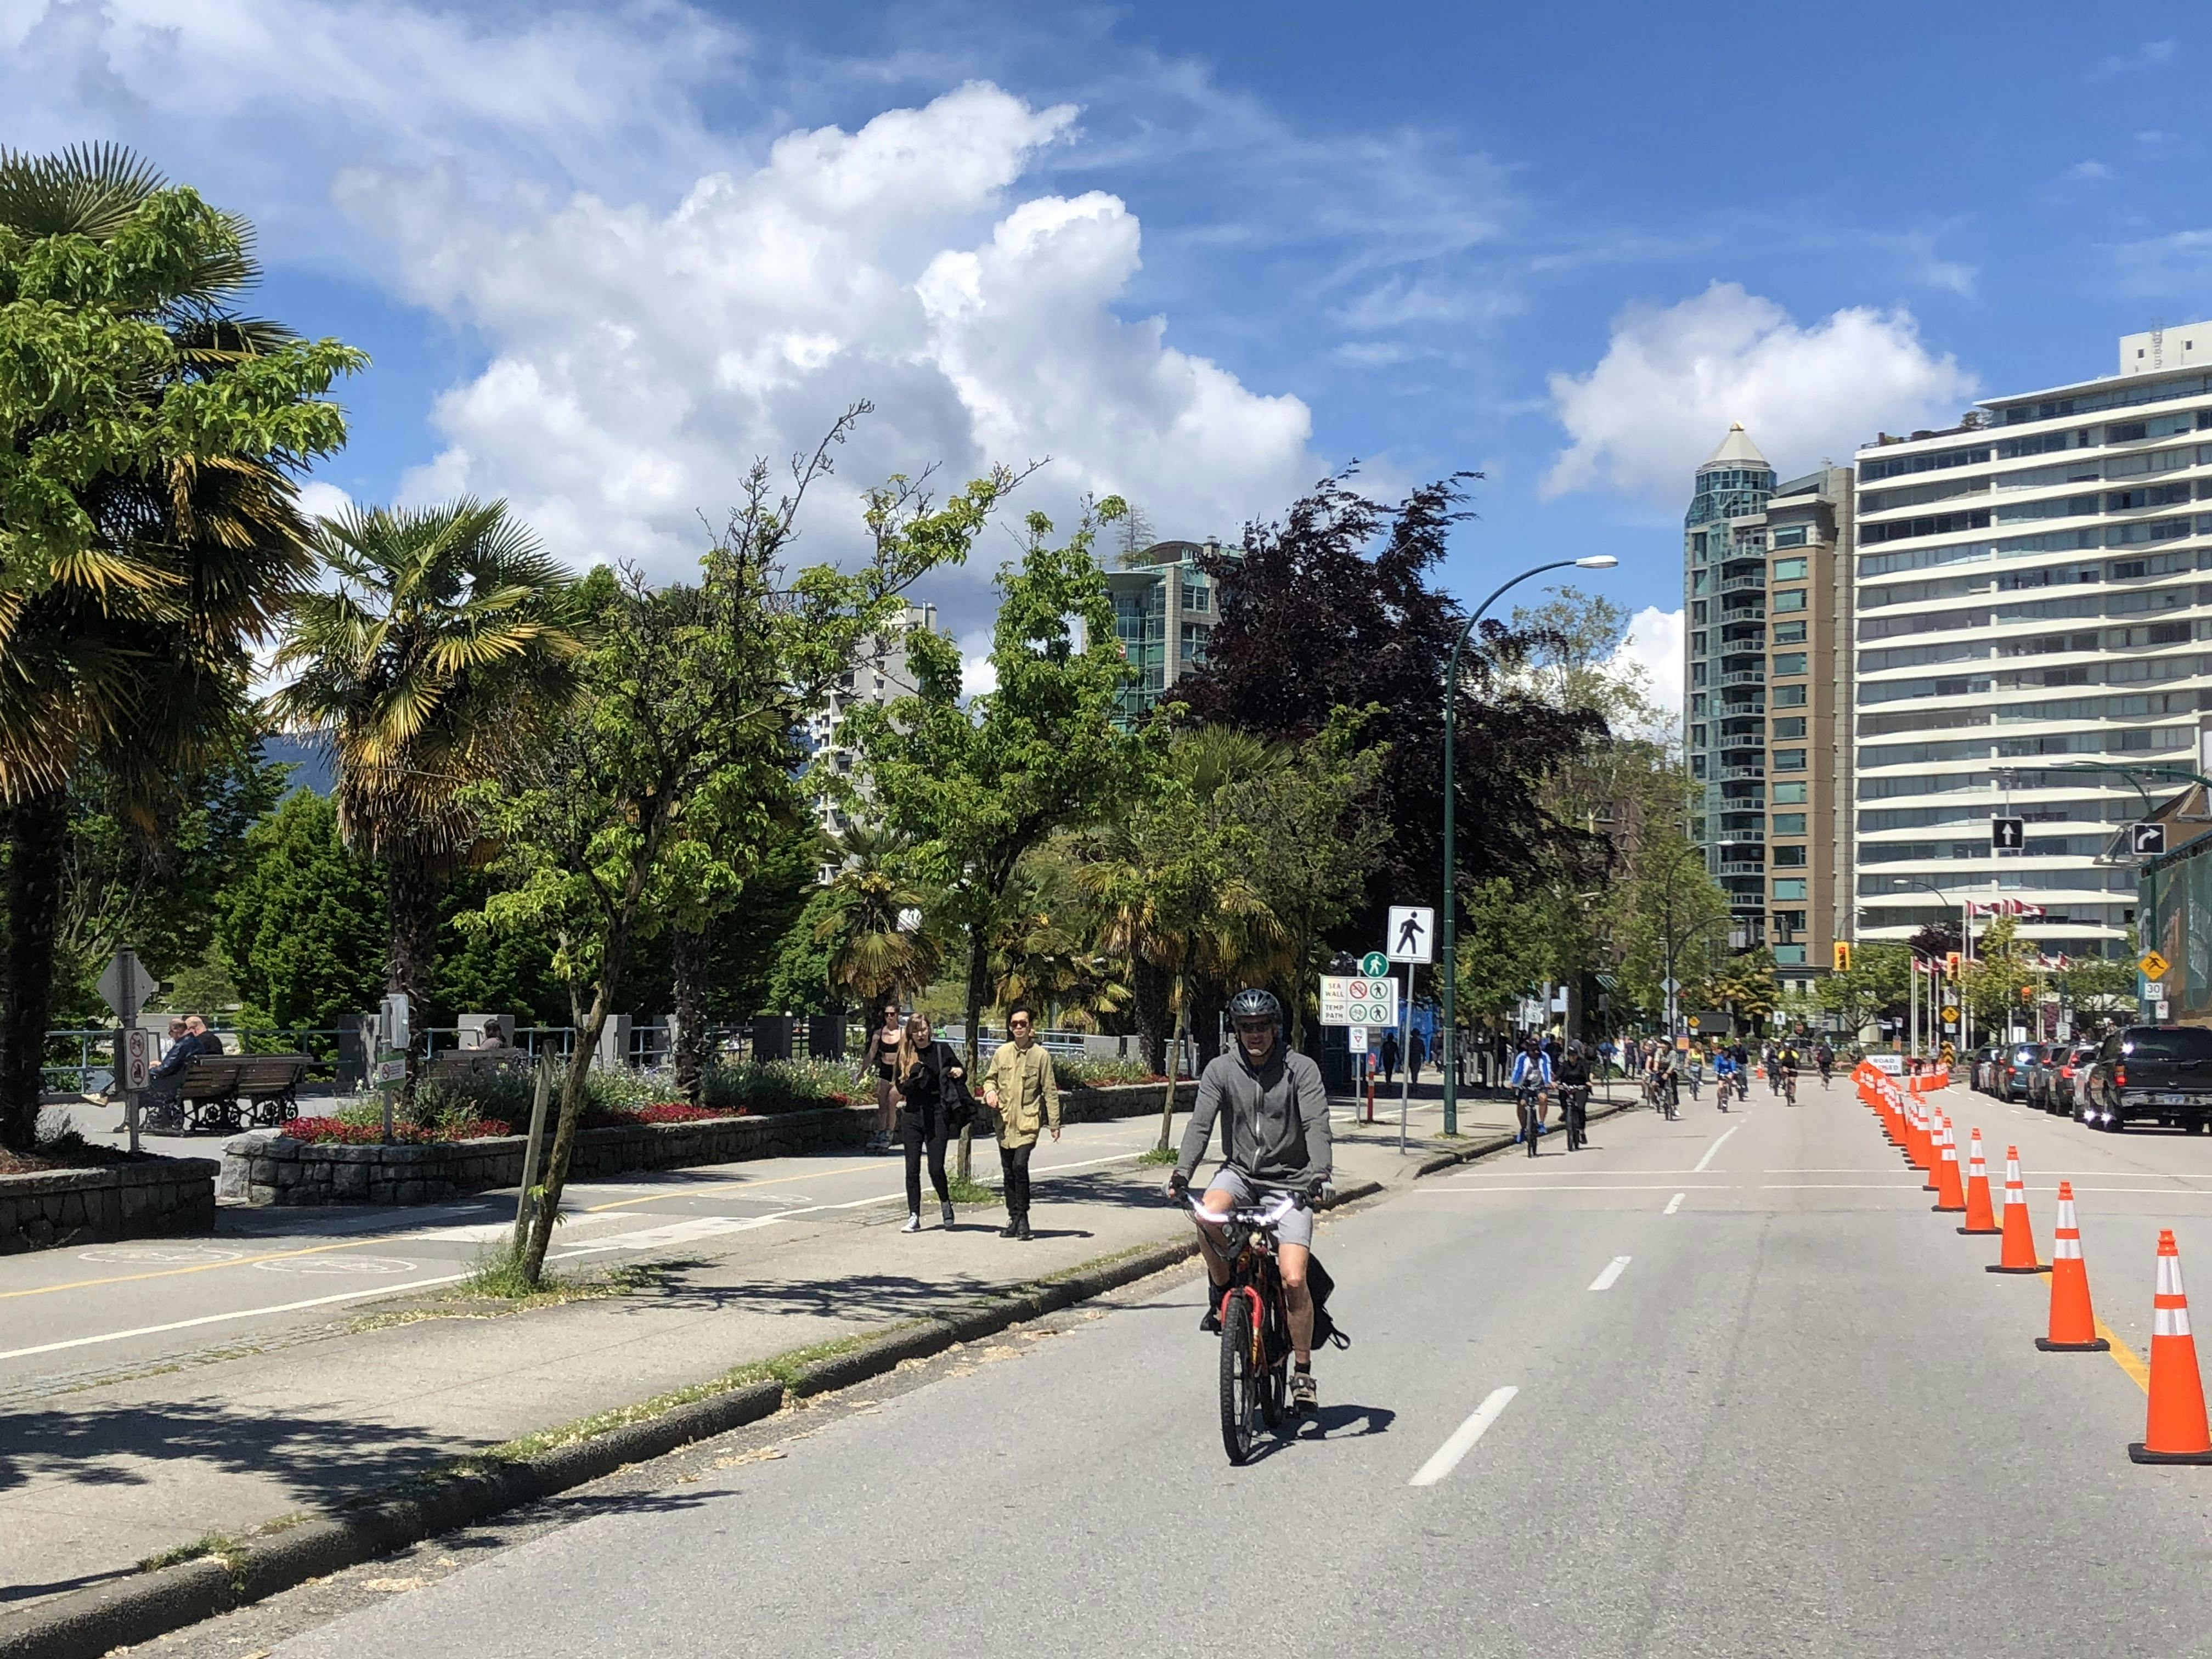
1277 1117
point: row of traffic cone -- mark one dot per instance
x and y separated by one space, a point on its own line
2177 1430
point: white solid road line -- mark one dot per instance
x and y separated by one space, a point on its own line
1699 1168
241 1313
1463 1437
1674 1204
1613 1269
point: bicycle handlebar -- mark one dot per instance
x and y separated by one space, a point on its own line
1266 1216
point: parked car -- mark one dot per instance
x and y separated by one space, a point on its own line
1985 1078
2059 1083
2014 1063
2148 1074
2035 1086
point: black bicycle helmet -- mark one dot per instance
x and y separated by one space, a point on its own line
1253 1003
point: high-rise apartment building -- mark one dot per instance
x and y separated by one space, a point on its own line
879 675
1766 577
1164 610
2031 620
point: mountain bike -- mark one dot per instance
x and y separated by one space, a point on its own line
1790 1085
1528 1107
1255 1322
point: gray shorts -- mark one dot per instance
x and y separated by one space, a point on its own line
1295 1228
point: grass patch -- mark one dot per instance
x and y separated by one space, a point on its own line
219 1544
1159 1155
966 1189
498 1278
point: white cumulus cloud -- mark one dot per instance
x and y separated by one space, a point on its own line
1673 379
1653 645
644 357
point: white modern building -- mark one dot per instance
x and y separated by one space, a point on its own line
879 676
2033 617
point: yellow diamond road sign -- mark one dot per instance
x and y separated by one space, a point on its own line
1950 1015
2152 964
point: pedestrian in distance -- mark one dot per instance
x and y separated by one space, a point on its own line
1417 1055
1693 1068
1389 1055
881 1056
1019 1085
929 1074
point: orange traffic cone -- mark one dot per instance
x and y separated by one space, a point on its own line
2072 1322
2017 1254
1934 1133
1980 1218
2177 1431
1950 1196
1908 1113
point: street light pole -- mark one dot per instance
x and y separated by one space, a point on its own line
1599 562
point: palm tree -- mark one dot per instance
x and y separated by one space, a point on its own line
877 945
143 555
450 642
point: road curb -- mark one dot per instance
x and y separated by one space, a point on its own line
87 1624
1480 1149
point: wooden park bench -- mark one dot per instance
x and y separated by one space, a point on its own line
221 1092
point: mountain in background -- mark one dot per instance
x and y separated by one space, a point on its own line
309 758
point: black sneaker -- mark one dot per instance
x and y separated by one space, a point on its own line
1211 1324
1304 1395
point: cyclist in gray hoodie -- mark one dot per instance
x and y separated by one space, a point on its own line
1275 1135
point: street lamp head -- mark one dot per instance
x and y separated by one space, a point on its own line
1597 561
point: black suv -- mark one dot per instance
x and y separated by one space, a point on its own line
2149 1074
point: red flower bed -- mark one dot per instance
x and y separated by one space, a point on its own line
329 1131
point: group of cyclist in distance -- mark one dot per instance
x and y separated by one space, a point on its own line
1545 1069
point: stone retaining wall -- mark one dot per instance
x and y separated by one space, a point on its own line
147 1199
267 1167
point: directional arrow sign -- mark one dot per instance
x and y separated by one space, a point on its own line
2152 964
2008 835
2146 839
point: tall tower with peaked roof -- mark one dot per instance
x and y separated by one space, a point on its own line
1765 703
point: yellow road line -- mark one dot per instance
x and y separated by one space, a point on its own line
201 1266
2125 1358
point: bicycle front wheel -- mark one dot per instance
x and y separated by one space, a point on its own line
1240 1382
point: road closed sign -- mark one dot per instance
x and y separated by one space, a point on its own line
1348 999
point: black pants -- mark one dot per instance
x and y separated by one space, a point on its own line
917 1135
1015 1161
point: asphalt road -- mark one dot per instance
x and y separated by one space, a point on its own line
1763 1402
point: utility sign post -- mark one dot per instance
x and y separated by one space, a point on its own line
394 1031
125 985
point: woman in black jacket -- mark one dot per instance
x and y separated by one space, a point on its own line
929 1086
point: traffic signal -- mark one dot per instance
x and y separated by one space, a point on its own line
1843 956
1951 966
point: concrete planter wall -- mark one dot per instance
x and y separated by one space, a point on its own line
151 1199
268 1167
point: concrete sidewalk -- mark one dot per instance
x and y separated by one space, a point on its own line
100 1472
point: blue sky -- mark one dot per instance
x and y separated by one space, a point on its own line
1197 254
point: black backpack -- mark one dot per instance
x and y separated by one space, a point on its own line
1319 1285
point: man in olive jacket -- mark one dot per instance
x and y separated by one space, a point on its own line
1018 1085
